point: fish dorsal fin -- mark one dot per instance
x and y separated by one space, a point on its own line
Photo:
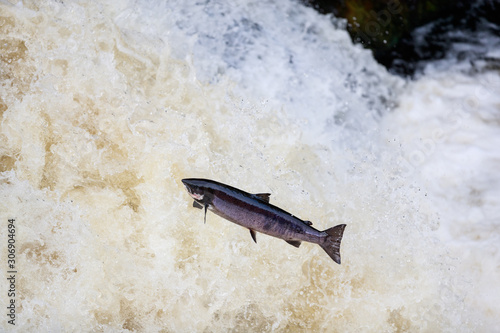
197 205
294 243
308 222
254 235
263 196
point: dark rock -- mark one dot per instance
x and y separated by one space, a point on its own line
404 35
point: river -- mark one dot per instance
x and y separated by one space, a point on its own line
105 107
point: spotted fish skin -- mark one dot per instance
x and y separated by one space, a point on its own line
254 212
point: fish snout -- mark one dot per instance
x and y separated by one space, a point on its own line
188 185
194 191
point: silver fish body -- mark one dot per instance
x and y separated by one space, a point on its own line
253 211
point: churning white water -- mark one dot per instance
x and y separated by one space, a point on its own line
104 108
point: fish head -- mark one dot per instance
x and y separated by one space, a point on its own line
197 190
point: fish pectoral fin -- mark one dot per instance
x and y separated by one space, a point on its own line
294 243
263 196
254 235
205 220
197 205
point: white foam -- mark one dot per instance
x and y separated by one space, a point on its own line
447 124
112 105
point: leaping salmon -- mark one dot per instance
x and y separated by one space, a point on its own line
253 211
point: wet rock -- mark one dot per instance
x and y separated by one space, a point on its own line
403 35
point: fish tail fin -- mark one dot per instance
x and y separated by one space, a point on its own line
331 245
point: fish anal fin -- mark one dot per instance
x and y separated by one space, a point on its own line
254 235
197 205
263 196
294 243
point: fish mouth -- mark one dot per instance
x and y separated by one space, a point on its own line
195 196
187 186
191 192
